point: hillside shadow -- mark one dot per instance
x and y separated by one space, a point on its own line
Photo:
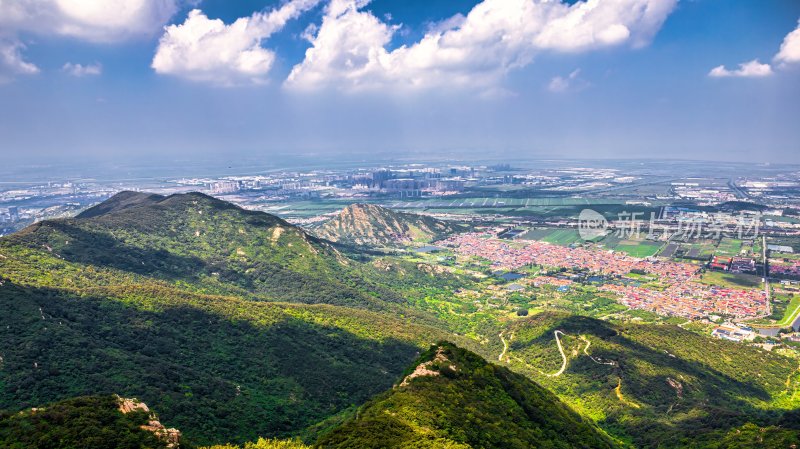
577 325
216 379
101 249
269 278
714 401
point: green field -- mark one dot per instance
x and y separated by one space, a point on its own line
304 209
635 247
790 311
643 249
729 247
566 237
536 234
730 280
563 237
699 250
497 202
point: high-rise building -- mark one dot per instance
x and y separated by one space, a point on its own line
13 213
380 177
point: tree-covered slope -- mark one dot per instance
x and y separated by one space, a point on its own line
202 310
121 201
236 325
453 398
656 386
94 422
208 244
224 368
370 224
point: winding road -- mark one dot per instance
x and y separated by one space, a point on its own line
505 348
563 356
563 368
597 360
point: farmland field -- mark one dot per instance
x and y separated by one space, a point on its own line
536 234
669 250
638 249
730 280
784 308
700 250
729 247
563 237
482 202
635 247
790 311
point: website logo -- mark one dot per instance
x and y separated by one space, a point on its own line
591 224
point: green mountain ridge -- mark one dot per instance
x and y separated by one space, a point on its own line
453 398
120 201
236 325
154 300
370 224
449 398
210 243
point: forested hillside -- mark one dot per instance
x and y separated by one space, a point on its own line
206 244
155 300
655 385
94 422
453 398
236 325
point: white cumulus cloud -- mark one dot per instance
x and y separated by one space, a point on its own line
790 48
11 61
103 21
203 49
80 70
751 69
349 49
559 84
92 20
789 53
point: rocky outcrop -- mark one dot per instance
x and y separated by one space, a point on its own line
171 437
425 369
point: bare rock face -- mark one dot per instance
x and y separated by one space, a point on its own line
131 405
425 368
170 436
369 224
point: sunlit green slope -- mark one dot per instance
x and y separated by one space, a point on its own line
453 398
655 385
232 324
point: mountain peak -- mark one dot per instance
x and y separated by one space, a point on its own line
128 199
370 224
454 398
435 363
120 201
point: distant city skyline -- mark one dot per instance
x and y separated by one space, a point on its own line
213 79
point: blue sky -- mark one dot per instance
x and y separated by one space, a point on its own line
609 79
